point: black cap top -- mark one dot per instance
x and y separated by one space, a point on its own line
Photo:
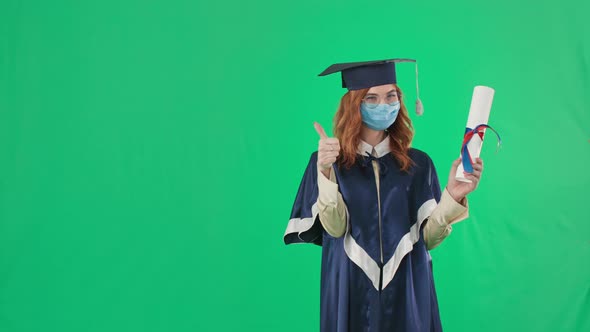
360 75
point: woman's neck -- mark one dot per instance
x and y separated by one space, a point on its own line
373 137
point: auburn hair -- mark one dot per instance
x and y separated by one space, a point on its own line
348 124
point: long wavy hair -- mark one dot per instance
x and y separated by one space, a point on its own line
348 123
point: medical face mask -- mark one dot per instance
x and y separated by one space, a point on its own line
379 116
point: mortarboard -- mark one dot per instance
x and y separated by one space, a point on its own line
361 75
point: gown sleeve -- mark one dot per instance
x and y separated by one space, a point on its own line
331 206
304 225
427 191
446 213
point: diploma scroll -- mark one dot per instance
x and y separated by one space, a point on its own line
479 113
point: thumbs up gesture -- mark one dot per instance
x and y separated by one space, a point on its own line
328 150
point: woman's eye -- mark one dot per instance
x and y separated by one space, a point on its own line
371 99
392 96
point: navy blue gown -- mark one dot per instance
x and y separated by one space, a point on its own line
378 276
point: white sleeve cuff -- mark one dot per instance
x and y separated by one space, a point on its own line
452 211
328 189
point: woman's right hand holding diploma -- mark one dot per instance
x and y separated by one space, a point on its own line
328 150
457 189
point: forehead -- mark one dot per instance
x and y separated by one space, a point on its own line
380 89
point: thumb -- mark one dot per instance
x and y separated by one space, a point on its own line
320 130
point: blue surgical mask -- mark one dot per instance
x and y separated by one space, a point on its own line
380 117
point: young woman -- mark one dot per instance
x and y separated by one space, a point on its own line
375 206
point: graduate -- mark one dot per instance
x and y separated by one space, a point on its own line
375 206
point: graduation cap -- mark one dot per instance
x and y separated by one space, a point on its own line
361 75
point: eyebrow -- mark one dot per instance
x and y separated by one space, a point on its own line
374 94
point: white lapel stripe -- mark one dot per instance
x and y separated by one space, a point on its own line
406 244
360 257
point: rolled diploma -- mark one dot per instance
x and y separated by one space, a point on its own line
479 113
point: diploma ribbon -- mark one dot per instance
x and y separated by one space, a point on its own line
469 133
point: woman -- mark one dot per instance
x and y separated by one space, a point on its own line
374 205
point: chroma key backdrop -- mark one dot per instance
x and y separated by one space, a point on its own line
150 153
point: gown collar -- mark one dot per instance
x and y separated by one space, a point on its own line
381 149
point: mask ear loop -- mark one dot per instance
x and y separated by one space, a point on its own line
419 106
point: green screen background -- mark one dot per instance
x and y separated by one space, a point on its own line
150 153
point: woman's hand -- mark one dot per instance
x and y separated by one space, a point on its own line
457 189
328 150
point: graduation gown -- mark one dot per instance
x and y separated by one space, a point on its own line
378 276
